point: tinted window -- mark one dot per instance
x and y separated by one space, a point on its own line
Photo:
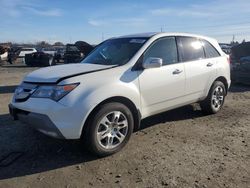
210 51
190 49
165 49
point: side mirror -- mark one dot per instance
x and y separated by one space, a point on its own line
152 62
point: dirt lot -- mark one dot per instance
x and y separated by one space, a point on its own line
180 148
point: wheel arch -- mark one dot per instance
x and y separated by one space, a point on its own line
123 100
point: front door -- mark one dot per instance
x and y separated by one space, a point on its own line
161 88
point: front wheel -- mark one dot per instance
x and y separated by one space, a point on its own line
215 99
109 129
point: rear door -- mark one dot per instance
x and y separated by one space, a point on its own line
199 69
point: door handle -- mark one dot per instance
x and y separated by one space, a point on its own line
210 64
177 71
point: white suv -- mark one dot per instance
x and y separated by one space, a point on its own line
103 99
25 51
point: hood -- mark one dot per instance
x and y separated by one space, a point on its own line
55 73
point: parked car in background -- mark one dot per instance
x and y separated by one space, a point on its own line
3 53
241 63
4 56
39 59
59 55
125 79
226 48
14 53
25 51
72 54
84 47
50 51
241 71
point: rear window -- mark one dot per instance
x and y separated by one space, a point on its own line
210 51
27 49
190 49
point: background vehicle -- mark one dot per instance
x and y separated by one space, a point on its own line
103 99
3 53
59 55
50 51
4 56
241 63
13 54
84 47
226 48
72 54
75 53
241 71
39 59
25 51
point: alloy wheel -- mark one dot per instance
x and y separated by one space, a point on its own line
112 129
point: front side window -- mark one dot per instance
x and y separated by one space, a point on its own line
210 51
190 49
115 51
165 49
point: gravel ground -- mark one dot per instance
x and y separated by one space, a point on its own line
179 148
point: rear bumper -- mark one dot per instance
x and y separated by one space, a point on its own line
37 121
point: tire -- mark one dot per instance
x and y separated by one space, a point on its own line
215 99
105 145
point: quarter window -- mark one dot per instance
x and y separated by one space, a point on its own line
210 51
165 49
190 49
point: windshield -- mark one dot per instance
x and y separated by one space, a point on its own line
115 51
72 49
48 49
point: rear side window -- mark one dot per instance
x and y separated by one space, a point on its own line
210 51
190 49
165 49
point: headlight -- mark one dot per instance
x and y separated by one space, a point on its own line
54 92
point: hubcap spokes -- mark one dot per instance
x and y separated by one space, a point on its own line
112 129
218 97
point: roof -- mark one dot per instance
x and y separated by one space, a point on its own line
146 35
151 34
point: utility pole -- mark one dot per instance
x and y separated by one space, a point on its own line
161 29
233 38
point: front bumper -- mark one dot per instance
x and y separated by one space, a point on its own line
37 121
67 118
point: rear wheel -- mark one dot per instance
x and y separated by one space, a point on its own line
215 99
109 129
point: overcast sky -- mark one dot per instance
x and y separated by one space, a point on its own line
69 21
